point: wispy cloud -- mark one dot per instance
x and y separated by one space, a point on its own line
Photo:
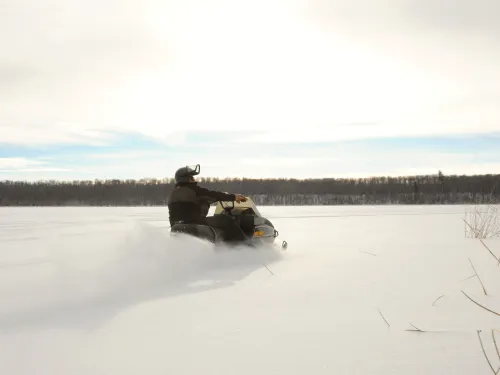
20 173
16 163
126 155
24 165
359 158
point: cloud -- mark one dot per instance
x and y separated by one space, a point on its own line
160 68
65 133
359 158
17 165
126 155
33 170
63 62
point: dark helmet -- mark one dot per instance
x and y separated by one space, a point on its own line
184 174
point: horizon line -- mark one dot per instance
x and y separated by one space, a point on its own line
254 178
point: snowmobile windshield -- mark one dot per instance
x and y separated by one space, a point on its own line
236 207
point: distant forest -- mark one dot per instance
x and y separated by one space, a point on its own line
428 189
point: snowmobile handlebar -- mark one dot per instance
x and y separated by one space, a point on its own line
228 208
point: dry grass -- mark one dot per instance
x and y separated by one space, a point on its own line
484 351
482 222
383 317
484 289
415 329
437 299
478 304
366 252
487 230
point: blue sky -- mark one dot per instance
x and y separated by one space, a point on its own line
133 156
319 88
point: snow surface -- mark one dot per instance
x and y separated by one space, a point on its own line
106 291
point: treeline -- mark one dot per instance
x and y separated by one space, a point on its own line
427 189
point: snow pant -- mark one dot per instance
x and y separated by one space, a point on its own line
231 229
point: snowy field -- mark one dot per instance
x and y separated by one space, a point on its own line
106 291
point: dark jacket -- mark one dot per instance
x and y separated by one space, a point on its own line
190 203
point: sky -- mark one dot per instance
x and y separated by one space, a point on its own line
276 88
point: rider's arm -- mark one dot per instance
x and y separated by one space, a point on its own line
216 195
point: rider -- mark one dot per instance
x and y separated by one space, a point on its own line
189 203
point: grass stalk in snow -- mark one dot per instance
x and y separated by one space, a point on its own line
484 289
386 322
271 272
366 252
495 343
437 299
470 277
414 330
484 352
491 252
477 303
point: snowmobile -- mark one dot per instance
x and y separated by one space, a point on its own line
256 229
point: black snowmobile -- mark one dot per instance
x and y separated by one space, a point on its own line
257 230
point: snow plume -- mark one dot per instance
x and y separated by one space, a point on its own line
87 281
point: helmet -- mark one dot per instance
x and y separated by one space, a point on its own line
185 173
